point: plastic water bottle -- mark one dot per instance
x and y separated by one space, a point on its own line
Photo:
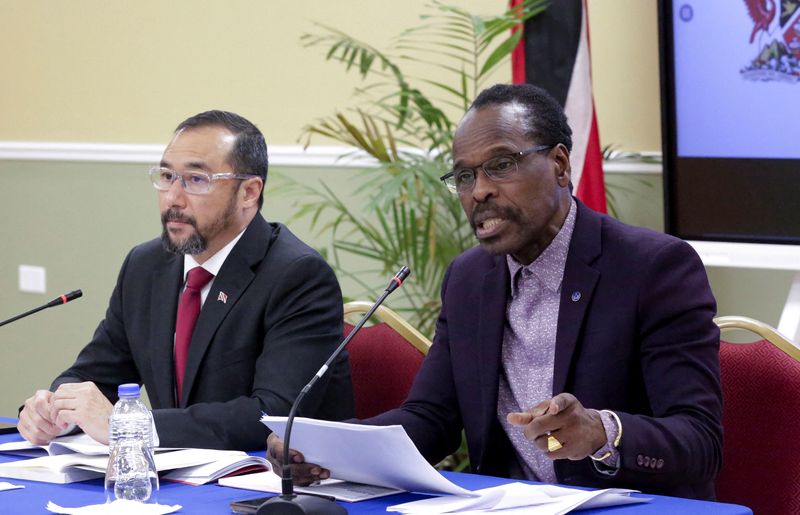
131 472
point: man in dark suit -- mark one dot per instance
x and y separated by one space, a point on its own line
271 309
570 347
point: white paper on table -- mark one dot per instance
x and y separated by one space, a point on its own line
98 463
78 443
341 490
8 486
522 498
118 507
495 498
374 455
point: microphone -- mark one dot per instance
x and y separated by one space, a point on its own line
288 502
63 299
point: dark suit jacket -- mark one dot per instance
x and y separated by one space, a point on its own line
639 340
251 353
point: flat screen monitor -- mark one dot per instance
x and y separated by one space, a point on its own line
731 119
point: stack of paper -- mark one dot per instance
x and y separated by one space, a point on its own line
386 456
231 463
80 443
374 455
78 458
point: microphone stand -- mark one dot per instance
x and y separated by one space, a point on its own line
289 503
63 299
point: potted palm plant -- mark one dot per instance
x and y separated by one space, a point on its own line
405 123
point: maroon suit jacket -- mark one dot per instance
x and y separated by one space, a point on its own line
639 340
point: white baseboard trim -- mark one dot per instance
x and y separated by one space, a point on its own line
279 155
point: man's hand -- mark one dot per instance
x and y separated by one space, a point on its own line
84 405
579 430
35 420
303 473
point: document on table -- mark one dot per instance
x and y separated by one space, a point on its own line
386 456
78 443
340 490
521 499
69 468
374 455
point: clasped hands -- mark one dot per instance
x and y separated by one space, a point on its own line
579 430
46 414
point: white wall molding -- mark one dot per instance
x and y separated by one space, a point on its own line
282 155
56 151
631 166
279 155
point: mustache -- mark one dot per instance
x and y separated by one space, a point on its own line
173 215
509 213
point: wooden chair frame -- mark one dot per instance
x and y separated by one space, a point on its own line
393 320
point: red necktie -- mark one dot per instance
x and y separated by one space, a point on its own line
188 311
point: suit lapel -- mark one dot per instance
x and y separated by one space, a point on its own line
577 288
233 278
164 292
491 324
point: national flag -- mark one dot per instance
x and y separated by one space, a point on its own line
222 297
554 54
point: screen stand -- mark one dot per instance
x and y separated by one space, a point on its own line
789 324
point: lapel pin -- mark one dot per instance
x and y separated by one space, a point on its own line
222 297
576 296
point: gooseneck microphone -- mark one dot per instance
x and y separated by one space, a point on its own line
288 502
63 299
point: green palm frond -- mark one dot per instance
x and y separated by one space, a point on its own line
403 214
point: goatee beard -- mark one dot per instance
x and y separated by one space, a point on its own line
193 245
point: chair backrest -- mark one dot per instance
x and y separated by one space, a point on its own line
384 359
761 390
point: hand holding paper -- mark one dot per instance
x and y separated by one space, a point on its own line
303 474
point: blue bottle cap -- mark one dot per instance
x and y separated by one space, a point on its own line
128 390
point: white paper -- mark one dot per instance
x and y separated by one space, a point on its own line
374 455
341 490
521 498
8 486
81 443
506 496
118 507
68 468
220 467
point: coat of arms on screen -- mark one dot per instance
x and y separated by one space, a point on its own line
776 37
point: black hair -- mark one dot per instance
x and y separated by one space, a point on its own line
547 123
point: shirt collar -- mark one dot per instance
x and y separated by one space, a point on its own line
549 266
214 263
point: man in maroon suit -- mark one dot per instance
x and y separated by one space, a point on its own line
570 347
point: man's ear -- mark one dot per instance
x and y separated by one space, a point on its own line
563 168
251 190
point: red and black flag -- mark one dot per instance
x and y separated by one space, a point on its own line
554 54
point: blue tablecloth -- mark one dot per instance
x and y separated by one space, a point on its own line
213 499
